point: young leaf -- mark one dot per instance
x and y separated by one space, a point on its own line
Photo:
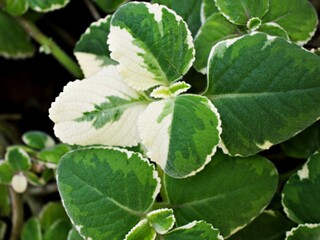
154 49
14 41
194 230
19 183
162 220
16 7
94 110
215 29
304 231
18 159
31 230
50 213
34 179
239 12
273 29
48 5
37 139
228 193
288 14
269 225
53 154
58 230
106 191
266 90
142 230
174 130
6 172
304 144
109 5
208 7
91 50
301 194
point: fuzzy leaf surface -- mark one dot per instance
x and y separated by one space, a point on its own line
239 12
288 14
266 90
91 50
301 194
228 193
106 191
304 231
173 132
101 109
154 49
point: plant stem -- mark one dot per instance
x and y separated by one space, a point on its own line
54 49
163 192
17 214
95 14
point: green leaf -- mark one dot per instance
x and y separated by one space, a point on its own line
101 109
189 10
14 41
301 194
215 29
304 144
266 90
288 14
158 45
58 230
228 193
3 228
50 213
31 230
91 50
16 7
74 235
162 220
269 225
48 5
208 7
239 12
142 230
53 154
109 5
6 172
194 230
34 179
174 130
106 191
5 205
18 159
273 29
304 232
38 139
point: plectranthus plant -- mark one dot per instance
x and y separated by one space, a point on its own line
155 160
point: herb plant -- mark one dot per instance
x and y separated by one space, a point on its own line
155 156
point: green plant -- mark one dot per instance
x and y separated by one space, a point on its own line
151 161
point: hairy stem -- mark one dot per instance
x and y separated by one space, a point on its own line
17 214
54 49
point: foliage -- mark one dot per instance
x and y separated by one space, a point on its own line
147 155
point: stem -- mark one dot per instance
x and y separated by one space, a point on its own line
95 14
55 50
163 192
17 214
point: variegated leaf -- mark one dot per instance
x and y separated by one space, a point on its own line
47 5
174 130
101 109
151 43
91 50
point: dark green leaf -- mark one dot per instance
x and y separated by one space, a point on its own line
31 230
